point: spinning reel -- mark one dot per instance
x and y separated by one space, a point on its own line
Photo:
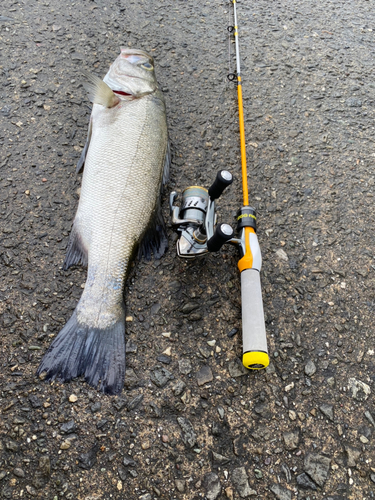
196 219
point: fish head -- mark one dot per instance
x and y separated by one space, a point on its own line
132 73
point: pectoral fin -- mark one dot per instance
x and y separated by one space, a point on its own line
82 159
167 165
99 92
155 240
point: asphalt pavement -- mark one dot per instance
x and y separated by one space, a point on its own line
191 422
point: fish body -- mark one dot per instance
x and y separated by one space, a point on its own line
124 168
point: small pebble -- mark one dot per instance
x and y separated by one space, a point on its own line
180 485
220 410
184 366
258 474
18 472
232 332
310 368
65 445
204 375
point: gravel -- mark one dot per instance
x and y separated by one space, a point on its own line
241 483
353 455
317 467
220 459
160 377
305 482
188 435
291 439
204 376
184 366
310 368
280 492
212 485
236 368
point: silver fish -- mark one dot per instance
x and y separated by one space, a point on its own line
126 161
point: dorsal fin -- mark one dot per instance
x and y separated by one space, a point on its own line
99 92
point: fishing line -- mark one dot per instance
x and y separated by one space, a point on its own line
225 85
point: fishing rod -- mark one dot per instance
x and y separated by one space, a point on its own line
195 222
254 338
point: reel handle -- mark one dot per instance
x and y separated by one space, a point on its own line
254 338
223 180
222 234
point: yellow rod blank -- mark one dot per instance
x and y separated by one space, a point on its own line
245 189
243 144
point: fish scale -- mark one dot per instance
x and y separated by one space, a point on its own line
124 167
119 189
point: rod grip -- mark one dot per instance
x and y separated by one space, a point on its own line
254 338
223 180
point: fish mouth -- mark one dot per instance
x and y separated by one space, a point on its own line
121 92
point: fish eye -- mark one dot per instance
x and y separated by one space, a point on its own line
147 66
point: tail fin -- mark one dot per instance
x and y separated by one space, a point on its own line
97 354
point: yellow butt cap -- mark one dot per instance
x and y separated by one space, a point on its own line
255 360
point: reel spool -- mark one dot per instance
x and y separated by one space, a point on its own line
194 203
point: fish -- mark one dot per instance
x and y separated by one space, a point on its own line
125 164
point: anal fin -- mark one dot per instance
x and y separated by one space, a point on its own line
76 252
